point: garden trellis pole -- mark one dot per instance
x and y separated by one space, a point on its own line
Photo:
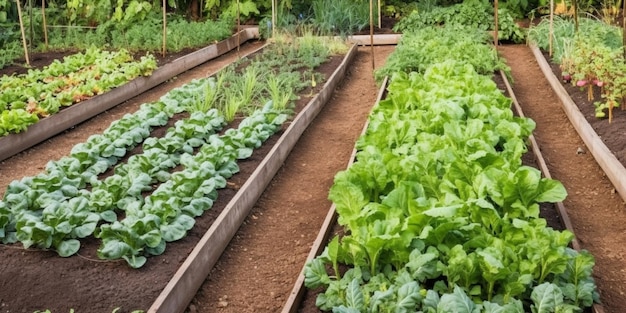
19 14
575 4
273 18
372 30
45 27
551 32
495 27
624 28
380 19
238 29
164 27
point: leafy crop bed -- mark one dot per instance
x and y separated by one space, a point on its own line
581 167
136 232
41 92
439 214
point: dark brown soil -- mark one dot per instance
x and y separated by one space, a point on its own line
259 267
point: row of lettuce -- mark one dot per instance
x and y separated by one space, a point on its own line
39 93
135 203
439 213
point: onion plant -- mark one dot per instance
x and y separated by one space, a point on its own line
278 94
341 17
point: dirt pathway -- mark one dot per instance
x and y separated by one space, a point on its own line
260 266
597 212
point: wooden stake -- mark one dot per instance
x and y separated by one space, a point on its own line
164 27
372 31
19 14
551 32
495 29
238 29
575 4
624 29
45 27
380 19
273 18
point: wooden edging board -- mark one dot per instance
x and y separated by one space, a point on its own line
382 39
297 293
183 286
82 111
611 166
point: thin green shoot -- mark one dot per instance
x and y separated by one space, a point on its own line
278 93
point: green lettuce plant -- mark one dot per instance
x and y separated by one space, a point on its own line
439 213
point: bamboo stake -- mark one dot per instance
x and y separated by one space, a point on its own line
575 4
495 30
19 14
238 29
273 18
31 35
551 32
45 27
164 27
380 19
624 30
372 30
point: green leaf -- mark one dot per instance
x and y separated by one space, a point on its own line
514 306
456 302
114 249
333 250
551 191
408 297
546 298
354 296
423 266
135 261
108 216
315 274
177 229
349 200
67 248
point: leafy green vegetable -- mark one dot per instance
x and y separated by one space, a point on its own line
438 200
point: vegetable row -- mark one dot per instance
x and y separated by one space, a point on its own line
136 202
440 214
590 55
39 93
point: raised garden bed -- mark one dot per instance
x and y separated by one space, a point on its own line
211 305
90 272
77 113
605 141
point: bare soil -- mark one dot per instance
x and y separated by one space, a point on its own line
259 267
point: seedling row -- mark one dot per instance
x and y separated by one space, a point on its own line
71 199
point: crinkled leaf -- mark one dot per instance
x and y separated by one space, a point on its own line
315 274
456 302
408 297
354 296
546 298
